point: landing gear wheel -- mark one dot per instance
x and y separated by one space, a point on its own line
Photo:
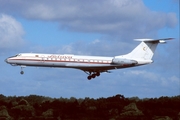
93 75
89 77
22 72
97 74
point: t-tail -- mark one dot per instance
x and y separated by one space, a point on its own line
144 52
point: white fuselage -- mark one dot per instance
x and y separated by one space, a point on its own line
85 63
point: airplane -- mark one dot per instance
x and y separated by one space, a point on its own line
92 65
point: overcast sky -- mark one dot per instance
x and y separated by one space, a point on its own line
89 27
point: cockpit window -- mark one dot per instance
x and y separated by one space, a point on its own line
18 55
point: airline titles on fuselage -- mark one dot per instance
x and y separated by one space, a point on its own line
60 56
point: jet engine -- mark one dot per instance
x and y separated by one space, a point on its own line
124 62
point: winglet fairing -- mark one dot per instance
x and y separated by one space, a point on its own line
93 65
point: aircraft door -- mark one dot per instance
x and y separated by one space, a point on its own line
43 58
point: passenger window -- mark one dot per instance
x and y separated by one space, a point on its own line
85 60
71 59
17 55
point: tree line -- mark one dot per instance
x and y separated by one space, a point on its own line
111 108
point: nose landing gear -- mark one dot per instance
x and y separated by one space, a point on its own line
22 72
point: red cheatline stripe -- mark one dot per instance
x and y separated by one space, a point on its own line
60 61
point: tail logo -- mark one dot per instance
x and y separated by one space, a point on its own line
144 48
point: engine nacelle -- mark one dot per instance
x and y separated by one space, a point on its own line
124 62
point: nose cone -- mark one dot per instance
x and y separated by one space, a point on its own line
6 60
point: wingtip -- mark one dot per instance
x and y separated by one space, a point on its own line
170 38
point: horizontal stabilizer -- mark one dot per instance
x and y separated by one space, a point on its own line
151 40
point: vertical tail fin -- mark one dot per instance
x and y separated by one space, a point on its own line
145 50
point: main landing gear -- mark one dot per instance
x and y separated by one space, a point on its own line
92 75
